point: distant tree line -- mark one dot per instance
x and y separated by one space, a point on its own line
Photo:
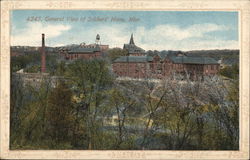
31 63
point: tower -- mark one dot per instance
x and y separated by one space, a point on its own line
43 55
131 39
97 39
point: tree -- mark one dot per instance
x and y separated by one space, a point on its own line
60 69
33 69
19 97
224 98
175 115
204 111
230 71
116 53
122 105
33 117
152 103
23 61
60 114
90 79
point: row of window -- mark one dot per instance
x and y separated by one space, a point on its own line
74 56
212 67
132 64
197 67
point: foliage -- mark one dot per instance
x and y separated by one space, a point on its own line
33 69
60 113
32 119
230 71
59 69
21 62
116 53
90 79
31 62
89 109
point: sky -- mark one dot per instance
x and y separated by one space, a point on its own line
152 30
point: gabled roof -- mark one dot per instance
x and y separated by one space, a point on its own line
162 55
83 50
132 48
134 59
193 60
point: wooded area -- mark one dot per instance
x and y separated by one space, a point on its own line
90 109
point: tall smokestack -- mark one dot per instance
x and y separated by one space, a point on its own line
43 56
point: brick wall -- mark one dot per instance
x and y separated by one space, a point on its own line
82 55
158 69
211 69
133 70
104 48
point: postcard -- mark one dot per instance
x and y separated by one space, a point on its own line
125 79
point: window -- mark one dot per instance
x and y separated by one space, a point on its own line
151 66
212 67
159 66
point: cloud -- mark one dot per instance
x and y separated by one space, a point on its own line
114 35
159 37
31 35
186 45
174 32
59 45
173 37
163 37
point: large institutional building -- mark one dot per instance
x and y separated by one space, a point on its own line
84 51
139 65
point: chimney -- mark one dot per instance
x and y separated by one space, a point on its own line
43 56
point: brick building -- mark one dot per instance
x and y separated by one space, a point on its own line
132 66
160 66
104 47
193 66
87 52
84 51
132 49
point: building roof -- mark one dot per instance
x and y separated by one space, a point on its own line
162 55
84 50
193 60
134 59
132 48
